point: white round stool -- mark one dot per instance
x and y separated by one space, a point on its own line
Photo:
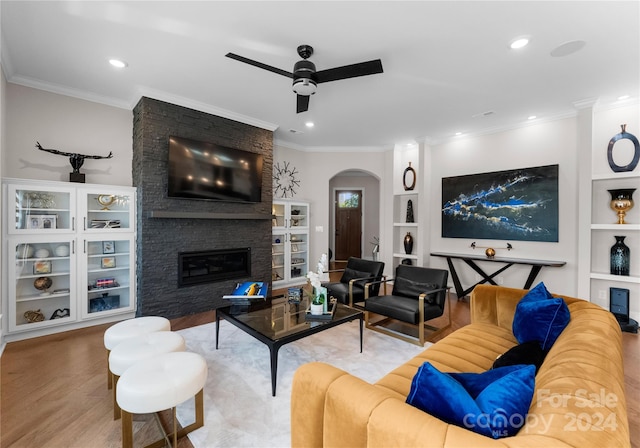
141 348
128 329
160 383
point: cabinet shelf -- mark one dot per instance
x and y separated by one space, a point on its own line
103 290
627 175
50 274
40 297
405 224
621 227
615 278
399 255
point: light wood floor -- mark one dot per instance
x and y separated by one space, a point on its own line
54 393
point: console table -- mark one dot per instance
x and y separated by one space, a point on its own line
536 266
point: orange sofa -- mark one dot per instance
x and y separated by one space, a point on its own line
578 401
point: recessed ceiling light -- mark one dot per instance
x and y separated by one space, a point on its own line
117 63
309 124
531 117
458 133
519 42
623 97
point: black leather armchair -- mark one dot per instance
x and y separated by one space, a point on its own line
358 272
419 295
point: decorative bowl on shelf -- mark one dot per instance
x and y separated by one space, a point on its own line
24 251
34 316
42 283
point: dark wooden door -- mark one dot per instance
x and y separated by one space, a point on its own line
348 217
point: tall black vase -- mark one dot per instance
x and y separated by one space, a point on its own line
408 243
409 211
620 257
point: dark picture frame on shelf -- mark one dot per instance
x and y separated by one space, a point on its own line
519 204
104 303
41 267
108 247
108 262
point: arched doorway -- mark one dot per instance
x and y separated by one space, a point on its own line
355 197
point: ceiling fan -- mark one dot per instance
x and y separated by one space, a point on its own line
306 78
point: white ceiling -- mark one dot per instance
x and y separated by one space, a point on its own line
447 64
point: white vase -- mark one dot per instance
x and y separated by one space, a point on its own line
316 310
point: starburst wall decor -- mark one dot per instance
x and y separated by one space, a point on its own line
285 181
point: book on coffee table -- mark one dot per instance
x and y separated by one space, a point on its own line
247 291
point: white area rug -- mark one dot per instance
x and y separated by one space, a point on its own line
239 408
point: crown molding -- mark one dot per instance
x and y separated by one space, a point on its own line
202 107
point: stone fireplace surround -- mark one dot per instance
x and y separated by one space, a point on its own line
167 226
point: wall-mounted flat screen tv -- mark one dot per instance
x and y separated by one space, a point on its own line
201 170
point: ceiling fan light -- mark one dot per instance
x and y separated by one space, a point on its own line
304 86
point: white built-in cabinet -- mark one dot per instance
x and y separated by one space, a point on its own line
69 256
401 228
604 228
289 243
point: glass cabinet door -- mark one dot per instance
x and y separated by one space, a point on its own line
35 210
109 275
299 256
42 282
110 211
278 211
299 216
278 256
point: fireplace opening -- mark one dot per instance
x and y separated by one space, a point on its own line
213 266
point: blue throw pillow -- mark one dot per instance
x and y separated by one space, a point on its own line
540 317
493 403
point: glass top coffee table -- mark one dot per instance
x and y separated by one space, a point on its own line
277 322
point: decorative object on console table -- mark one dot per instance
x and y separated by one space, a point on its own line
490 252
621 202
620 257
408 243
636 151
410 173
76 160
410 211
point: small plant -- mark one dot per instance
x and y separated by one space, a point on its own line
316 297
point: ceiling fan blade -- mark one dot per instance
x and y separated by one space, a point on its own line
350 71
302 103
260 65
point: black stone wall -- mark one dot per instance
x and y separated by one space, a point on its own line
160 239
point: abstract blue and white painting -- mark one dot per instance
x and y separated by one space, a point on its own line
520 204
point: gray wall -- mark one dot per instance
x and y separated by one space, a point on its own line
160 239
